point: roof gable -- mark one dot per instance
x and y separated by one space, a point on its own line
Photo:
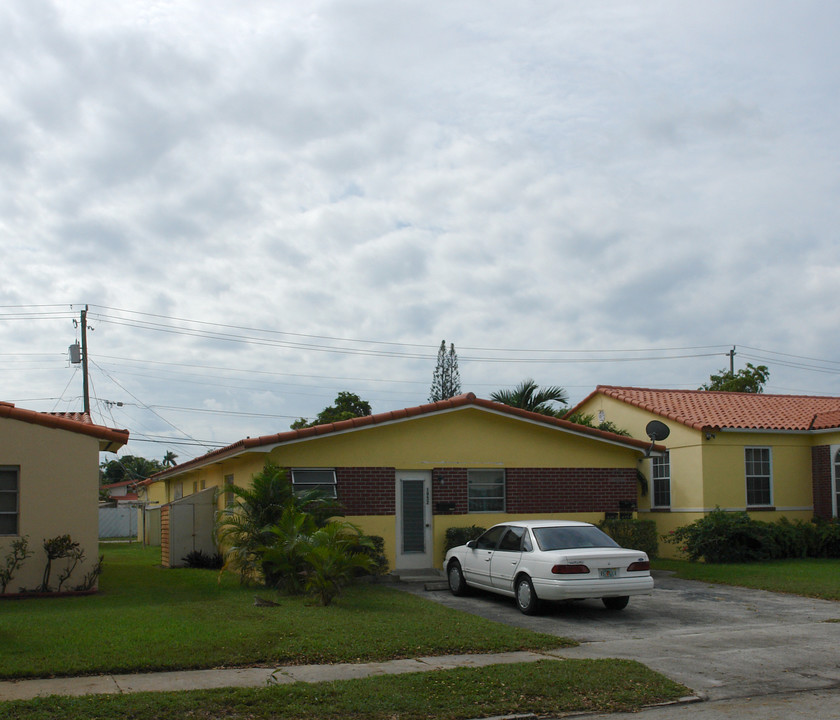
459 402
707 409
110 440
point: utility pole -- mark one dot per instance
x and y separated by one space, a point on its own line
85 389
731 354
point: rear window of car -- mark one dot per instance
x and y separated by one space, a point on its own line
565 538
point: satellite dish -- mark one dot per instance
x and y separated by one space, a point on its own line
657 431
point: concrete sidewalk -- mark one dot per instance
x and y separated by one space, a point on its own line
249 677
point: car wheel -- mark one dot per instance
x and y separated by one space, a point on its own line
454 574
526 599
615 603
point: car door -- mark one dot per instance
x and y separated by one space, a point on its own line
480 554
506 559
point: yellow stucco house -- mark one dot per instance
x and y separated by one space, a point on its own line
770 455
408 475
49 485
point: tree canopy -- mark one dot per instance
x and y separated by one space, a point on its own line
347 405
529 396
128 467
446 380
751 379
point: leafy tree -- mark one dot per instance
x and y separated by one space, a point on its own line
446 380
750 380
169 459
529 396
128 467
347 406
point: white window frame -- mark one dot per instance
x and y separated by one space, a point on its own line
327 483
16 492
835 481
178 490
474 480
769 476
658 477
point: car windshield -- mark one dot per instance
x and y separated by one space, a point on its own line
565 538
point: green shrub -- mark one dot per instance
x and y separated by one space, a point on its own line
374 547
635 534
726 537
202 560
456 536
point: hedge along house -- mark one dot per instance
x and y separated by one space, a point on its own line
770 455
408 475
49 486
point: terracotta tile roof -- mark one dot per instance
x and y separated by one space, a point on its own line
454 403
702 409
110 440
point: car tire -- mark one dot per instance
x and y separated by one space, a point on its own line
455 576
526 599
615 603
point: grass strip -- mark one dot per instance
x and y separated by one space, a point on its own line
147 618
547 687
808 577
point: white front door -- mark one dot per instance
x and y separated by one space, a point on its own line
835 480
414 520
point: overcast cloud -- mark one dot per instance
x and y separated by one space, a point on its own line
588 179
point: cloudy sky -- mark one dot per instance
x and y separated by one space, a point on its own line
264 203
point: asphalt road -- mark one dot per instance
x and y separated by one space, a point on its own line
725 643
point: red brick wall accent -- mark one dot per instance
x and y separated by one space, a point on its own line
449 485
821 480
555 490
164 536
544 490
372 490
366 490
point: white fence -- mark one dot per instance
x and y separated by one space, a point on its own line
118 522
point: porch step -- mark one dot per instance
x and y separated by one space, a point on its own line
431 578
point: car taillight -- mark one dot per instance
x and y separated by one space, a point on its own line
570 570
639 566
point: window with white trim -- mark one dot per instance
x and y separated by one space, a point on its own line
660 470
486 490
314 479
835 505
759 475
9 499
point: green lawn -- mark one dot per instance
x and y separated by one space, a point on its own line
146 618
809 577
547 688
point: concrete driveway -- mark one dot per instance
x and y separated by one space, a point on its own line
724 642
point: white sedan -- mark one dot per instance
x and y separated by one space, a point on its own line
537 560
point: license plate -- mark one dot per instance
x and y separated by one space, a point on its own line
608 572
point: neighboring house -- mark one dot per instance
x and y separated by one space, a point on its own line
408 475
49 485
121 493
771 455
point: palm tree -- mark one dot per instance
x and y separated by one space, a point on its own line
169 459
243 528
529 396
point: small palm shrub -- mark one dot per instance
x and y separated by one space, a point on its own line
243 528
332 560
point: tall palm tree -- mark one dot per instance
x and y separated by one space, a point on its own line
529 396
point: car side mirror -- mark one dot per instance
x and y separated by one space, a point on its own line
471 544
